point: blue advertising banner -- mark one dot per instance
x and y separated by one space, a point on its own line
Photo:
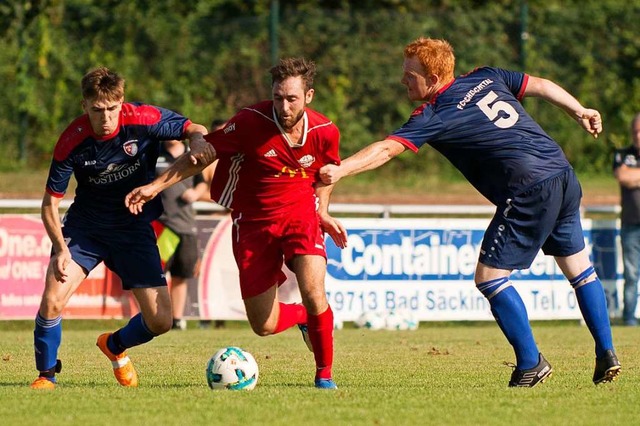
426 266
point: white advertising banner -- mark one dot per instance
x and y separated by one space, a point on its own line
424 266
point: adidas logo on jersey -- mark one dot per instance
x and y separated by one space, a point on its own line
271 153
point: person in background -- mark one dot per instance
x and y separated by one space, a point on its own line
477 122
110 150
216 124
269 156
207 173
626 169
177 229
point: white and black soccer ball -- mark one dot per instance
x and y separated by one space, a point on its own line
232 368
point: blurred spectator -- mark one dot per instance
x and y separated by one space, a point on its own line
626 169
177 230
216 124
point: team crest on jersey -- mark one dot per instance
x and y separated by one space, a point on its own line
307 160
131 147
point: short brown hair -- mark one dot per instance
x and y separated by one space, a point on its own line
436 56
294 67
101 83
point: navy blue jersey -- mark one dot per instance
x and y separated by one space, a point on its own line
478 123
106 170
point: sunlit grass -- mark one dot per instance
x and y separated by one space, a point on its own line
439 374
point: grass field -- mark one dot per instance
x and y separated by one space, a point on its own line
441 374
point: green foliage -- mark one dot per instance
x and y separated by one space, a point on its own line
208 58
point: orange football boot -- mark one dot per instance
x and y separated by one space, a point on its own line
122 366
42 383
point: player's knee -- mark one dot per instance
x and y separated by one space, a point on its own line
159 325
315 301
51 307
261 328
262 331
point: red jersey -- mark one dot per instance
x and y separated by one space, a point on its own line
260 174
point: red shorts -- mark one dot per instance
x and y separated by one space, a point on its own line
260 248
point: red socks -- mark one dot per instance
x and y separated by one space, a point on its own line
320 332
321 335
290 315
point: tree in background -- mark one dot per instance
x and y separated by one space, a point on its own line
206 58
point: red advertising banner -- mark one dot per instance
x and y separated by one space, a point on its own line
24 256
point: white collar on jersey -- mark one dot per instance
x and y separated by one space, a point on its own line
305 127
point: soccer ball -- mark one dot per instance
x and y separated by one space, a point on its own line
232 368
371 320
401 320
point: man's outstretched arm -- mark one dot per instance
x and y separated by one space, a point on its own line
368 158
180 170
588 118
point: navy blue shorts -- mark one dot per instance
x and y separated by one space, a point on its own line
132 253
546 216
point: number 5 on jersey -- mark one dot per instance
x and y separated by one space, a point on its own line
491 110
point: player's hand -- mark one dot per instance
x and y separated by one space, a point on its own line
201 151
190 195
330 174
59 263
591 121
335 229
137 198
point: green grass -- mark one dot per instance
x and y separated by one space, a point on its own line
441 374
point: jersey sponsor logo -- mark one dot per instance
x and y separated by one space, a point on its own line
114 173
230 128
471 93
307 160
131 147
271 153
289 172
90 163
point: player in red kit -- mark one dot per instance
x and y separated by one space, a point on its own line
269 157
